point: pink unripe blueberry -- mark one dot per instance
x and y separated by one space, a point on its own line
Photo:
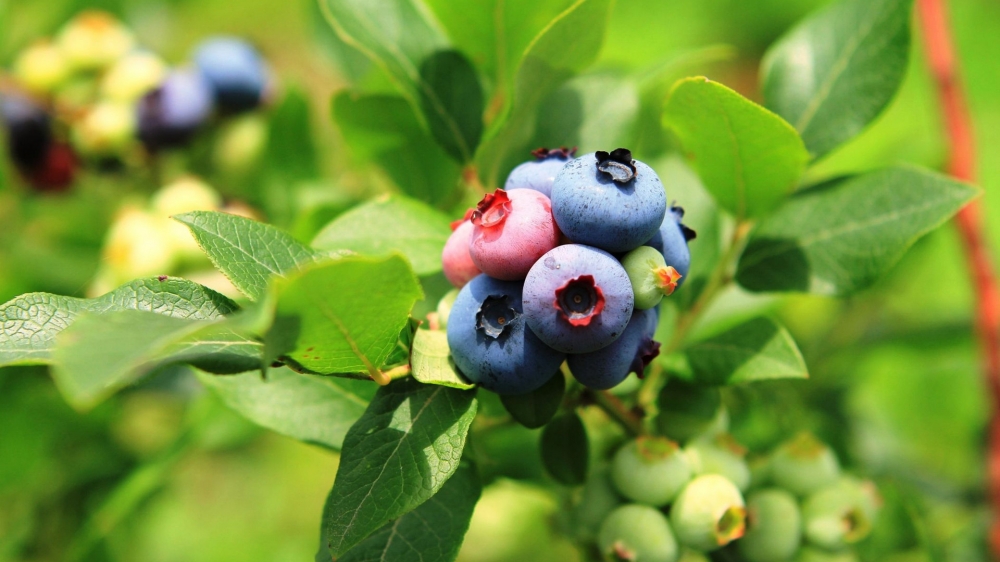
456 259
512 230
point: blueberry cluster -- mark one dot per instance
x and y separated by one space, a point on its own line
567 263
658 499
90 93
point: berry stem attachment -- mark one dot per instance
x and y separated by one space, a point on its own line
617 411
961 164
718 280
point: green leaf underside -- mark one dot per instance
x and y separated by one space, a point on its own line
566 449
310 408
565 47
753 351
98 354
593 111
29 323
837 70
433 532
430 360
841 236
398 455
391 224
535 409
385 129
345 316
748 158
248 252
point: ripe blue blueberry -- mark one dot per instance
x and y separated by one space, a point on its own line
490 342
606 367
29 131
538 174
671 239
577 299
608 200
171 114
235 72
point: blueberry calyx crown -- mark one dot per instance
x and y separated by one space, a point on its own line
666 279
457 223
492 210
580 300
562 152
648 350
495 315
618 164
688 232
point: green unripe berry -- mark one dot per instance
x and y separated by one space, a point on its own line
804 465
774 527
41 68
810 554
107 129
93 40
686 410
637 533
841 514
709 513
444 307
132 76
596 500
720 455
651 277
650 470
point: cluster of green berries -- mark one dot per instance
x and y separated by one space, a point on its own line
91 94
568 263
659 499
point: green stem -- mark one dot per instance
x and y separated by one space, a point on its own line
718 280
617 411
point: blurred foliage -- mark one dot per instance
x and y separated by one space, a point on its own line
894 383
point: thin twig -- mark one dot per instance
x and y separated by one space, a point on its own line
617 411
961 164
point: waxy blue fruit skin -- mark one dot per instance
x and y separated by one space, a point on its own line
671 239
607 367
235 72
503 356
597 319
592 208
171 114
540 173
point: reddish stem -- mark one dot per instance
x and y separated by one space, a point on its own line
962 162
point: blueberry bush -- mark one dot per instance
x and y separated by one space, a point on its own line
549 265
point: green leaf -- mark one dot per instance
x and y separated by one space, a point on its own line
345 316
592 112
453 102
756 350
248 252
309 408
29 323
565 47
99 354
433 532
841 236
748 158
431 360
390 224
397 35
385 130
397 456
291 147
535 409
837 70
566 449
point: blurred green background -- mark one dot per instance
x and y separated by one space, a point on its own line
165 473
